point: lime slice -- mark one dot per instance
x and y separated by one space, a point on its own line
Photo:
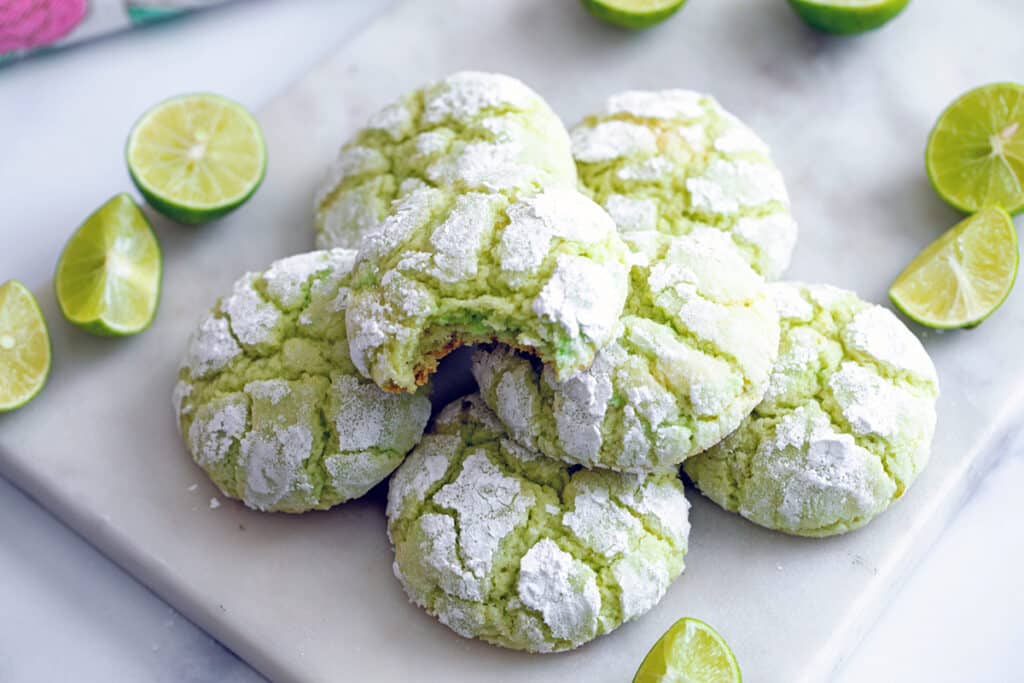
196 157
689 652
964 276
847 16
633 13
24 346
108 277
975 153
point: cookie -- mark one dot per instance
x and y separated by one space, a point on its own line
691 359
845 426
670 161
269 403
545 273
503 544
470 132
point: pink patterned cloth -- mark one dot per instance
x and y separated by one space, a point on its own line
26 24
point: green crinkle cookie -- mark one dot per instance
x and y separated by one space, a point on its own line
692 358
545 272
503 544
269 403
470 132
844 428
668 161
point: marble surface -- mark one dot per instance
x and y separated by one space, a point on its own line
43 566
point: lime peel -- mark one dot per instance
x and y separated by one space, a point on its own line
108 276
961 278
846 17
24 346
975 154
635 14
690 651
196 157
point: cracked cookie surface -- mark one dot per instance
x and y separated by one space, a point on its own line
545 272
469 132
669 161
269 403
691 358
502 543
845 426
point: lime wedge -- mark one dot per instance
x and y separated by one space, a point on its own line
964 276
848 16
633 13
196 157
24 346
689 652
975 153
108 277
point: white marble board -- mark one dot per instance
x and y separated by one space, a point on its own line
312 598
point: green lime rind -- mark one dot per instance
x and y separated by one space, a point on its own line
25 348
157 126
690 651
963 164
108 277
633 14
188 216
848 17
962 278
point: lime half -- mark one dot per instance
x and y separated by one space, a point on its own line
196 157
633 13
689 652
847 16
964 276
975 153
24 346
108 277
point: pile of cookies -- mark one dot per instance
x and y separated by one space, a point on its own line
618 285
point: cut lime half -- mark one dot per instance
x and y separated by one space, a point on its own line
108 277
24 346
964 276
846 17
975 154
689 652
633 13
196 157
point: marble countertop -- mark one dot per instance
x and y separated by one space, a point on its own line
70 614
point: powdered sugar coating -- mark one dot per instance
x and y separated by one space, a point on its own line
268 400
601 522
691 357
254 320
876 332
666 104
845 426
549 583
683 162
469 132
467 94
210 347
612 140
504 544
216 428
632 215
814 472
178 396
488 505
546 272
725 188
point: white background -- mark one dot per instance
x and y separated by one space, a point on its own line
67 613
